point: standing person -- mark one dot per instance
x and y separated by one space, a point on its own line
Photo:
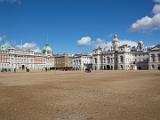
46 69
15 70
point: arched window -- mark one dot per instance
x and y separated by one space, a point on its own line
121 59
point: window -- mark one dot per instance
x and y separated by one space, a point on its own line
95 60
108 59
121 59
159 57
104 60
153 57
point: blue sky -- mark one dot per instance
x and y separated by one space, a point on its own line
61 23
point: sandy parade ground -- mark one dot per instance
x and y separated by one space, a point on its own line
100 95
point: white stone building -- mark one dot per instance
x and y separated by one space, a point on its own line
125 57
154 58
81 61
10 59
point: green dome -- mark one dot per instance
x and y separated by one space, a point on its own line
4 47
47 49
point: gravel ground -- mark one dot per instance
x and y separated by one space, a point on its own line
101 95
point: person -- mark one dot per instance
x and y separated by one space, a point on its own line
15 70
27 69
46 69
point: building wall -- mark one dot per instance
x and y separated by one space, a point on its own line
11 59
81 62
125 59
62 62
142 60
154 60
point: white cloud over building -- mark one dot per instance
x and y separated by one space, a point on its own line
85 41
28 47
88 41
147 22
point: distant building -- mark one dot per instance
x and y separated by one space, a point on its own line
10 59
125 57
63 62
116 57
154 58
81 61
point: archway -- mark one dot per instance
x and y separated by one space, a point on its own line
23 67
108 67
121 67
139 68
158 67
111 67
152 66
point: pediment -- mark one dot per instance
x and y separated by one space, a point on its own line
156 48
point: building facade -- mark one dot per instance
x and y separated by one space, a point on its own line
115 57
81 61
63 62
154 58
125 57
10 59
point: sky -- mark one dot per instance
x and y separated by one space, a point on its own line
75 26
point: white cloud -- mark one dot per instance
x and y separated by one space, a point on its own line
158 1
128 42
2 37
11 1
147 22
100 43
108 44
28 47
85 41
99 40
156 9
4 40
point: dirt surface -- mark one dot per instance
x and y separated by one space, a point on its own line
101 95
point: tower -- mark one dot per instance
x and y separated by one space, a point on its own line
115 42
140 46
47 50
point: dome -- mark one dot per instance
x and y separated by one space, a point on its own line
140 42
47 49
115 38
4 47
140 45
